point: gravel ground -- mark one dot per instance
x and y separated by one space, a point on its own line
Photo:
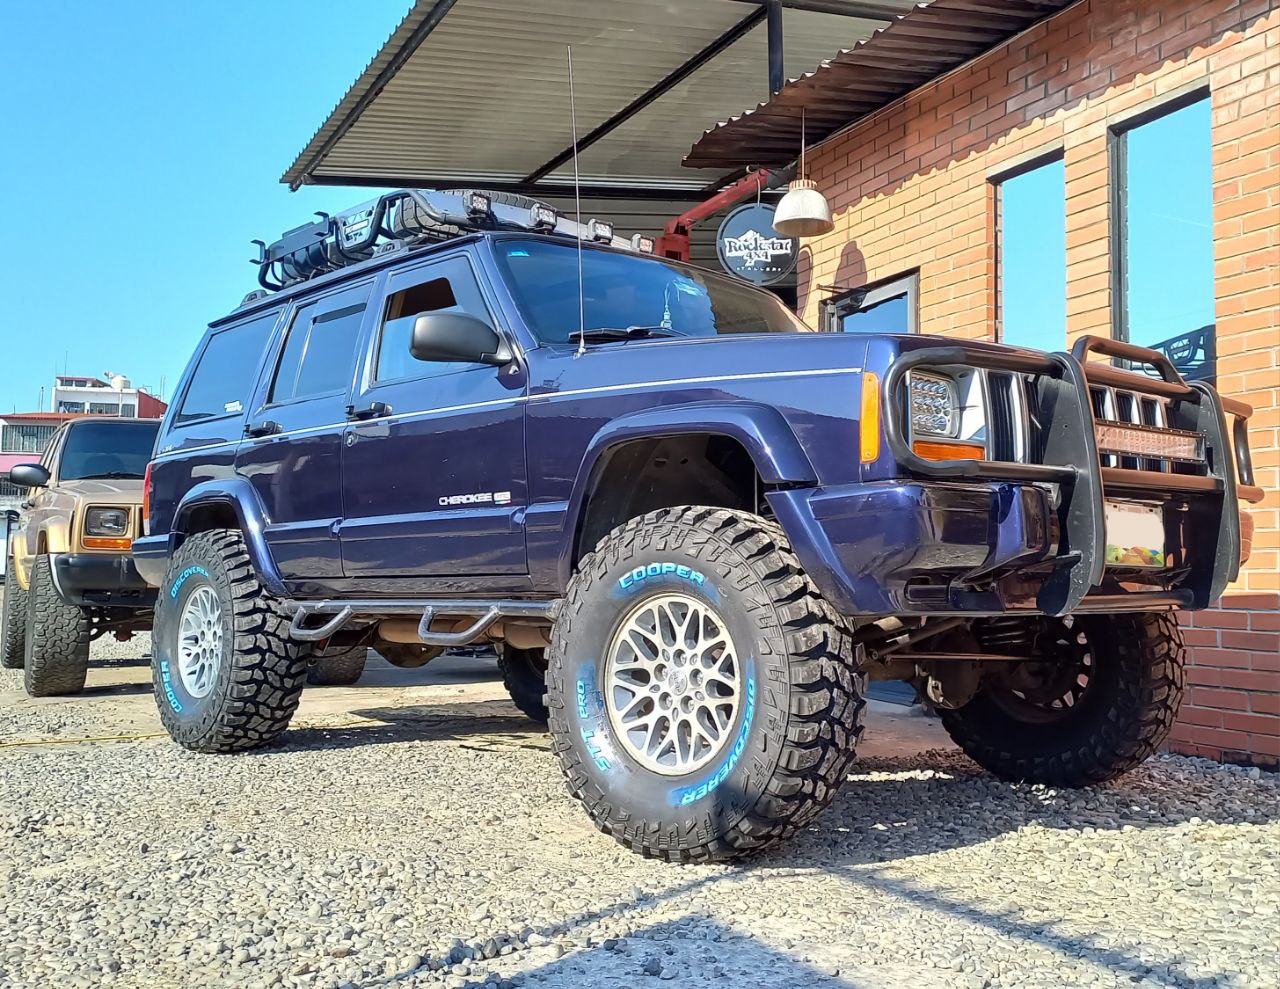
432 844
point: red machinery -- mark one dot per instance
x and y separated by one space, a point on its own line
674 242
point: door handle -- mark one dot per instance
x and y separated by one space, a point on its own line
373 410
268 427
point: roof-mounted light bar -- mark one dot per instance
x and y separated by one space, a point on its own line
408 218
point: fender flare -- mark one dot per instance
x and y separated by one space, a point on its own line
763 432
240 495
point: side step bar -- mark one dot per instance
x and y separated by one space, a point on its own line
485 612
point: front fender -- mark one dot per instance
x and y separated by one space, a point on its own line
240 496
762 430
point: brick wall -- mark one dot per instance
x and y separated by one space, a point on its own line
910 189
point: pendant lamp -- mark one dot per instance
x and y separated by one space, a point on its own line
803 211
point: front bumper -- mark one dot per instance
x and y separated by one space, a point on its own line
950 548
95 580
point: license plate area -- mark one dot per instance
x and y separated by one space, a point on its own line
1135 535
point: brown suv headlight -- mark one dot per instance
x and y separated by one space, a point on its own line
106 528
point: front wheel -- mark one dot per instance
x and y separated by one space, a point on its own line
703 697
56 640
524 674
227 676
1098 698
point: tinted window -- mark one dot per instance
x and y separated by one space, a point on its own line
221 382
107 450
1167 200
450 286
887 307
318 353
624 290
1032 258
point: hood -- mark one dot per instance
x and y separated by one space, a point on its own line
115 492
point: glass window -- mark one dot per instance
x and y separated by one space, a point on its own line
626 290
221 381
1167 237
319 351
25 438
65 406
107 449
450 287
1032 257
886 307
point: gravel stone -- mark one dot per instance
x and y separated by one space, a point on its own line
436 848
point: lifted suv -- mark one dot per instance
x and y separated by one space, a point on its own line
71 576
703 523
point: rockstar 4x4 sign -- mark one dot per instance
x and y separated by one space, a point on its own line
750 248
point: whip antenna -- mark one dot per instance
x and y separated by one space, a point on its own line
577 204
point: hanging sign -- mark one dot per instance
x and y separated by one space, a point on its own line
750 248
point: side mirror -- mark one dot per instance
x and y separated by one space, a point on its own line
449 336
28 476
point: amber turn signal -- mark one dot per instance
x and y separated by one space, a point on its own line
105 542
869 424
948 451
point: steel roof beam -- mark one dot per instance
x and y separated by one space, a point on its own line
648 193
845 8
658 89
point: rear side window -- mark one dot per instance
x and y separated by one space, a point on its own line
222 380
319 352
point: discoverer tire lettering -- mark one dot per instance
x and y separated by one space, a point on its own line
261 671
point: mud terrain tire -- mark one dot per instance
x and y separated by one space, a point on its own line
524 674
246 692
338 668
1130 703
56 640
13 621
799 703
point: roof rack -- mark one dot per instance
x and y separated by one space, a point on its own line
408 218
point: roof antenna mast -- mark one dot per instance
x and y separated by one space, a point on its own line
577 204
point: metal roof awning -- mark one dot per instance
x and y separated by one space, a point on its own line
475 92
920 45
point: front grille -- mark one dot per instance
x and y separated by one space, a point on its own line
1119 406
1004 429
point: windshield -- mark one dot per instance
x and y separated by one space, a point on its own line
623 291
107 449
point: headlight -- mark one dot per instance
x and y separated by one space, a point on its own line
106 522
934 405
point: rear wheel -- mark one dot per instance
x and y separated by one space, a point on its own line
1098 699
524 674
56 639
13 621
703 697
338 667
227 675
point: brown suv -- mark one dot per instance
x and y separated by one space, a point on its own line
71 578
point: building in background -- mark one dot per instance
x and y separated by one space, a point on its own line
115 396
1113 169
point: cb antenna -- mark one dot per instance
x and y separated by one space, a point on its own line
577 204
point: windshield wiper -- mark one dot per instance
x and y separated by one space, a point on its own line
604 333
112 475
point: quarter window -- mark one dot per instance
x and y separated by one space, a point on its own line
222 379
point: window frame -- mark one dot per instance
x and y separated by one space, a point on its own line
1118 192
1020 166
362 308
836 307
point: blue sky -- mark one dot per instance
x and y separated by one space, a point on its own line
143 144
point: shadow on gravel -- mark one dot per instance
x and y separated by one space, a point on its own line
487 725
129 689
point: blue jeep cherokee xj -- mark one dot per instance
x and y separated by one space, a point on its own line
703 525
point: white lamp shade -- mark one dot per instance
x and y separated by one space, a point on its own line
803 211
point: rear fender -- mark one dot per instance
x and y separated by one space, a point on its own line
238 494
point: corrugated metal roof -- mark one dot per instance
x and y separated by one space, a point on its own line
920 45
475 91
